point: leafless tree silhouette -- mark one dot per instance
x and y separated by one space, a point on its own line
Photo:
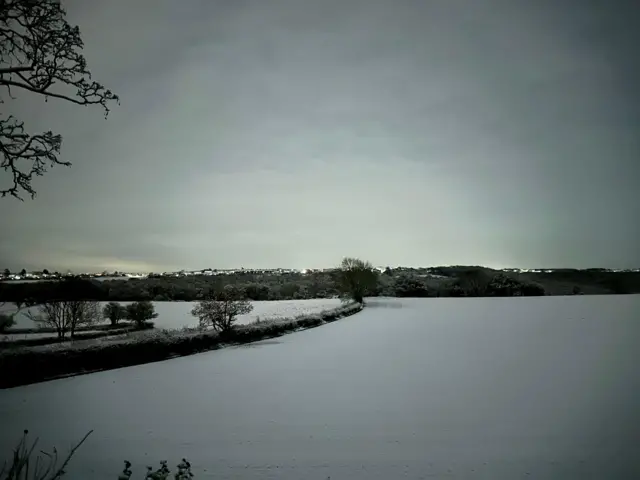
40 54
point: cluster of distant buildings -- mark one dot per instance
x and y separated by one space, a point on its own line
46 275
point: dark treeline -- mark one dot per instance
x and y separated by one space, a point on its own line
457 281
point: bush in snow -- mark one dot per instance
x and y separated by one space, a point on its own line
141 312
6 322
409 286
502 285
356 279
183 471
114 312
221 309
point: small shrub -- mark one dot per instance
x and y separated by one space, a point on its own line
502 285
141 312
220 309
454 290
162 473
114 312
474 282
6 322
409 286
533 290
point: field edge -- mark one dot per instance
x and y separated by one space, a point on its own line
25 367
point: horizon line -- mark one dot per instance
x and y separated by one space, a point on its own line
88 272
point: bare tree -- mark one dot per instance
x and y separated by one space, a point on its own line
83 313
221 309
66 316
40 54
51 315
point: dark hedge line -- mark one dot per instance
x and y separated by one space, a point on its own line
26 366
81 328
86 335
396 282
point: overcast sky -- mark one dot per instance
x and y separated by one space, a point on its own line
291 133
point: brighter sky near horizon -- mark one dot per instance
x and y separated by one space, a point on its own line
291 133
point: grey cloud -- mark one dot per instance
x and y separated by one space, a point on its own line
293 133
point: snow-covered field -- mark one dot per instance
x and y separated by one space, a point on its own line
495 389
178 314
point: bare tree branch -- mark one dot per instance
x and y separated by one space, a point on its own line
221 309
66 315
40 54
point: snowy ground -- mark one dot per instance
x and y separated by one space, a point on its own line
178 314
408 388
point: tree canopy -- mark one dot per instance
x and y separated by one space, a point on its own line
356 279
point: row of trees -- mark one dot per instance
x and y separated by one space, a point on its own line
255 286
353 274
138 312
6 272
73 302
66 317
397 282
218 309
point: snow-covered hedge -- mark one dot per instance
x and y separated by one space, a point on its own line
35 364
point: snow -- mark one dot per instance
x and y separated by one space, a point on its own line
408 388
178 314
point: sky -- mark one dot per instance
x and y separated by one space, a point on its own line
291 133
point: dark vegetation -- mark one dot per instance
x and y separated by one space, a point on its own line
356 279
96 333
6 322
65 316
397 282
140 312
114 312
81 319
219 310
